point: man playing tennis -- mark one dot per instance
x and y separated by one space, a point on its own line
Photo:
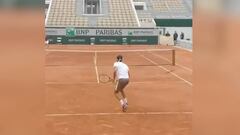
121 76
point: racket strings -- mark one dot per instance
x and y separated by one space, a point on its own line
104 78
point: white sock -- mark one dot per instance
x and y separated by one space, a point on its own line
121 102
125 100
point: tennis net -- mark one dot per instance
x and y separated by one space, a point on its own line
144 57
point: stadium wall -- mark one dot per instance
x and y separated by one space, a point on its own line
73 35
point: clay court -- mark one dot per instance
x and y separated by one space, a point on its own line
159 93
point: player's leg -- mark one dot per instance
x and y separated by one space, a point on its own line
124 97
123 93
120 94
117 93
124 84
123 101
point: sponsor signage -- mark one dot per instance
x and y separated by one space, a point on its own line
103 40
72 32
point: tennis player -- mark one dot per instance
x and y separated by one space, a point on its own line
121 76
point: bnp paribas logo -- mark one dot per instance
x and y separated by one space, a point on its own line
70 32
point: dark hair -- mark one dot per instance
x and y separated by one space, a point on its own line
119 58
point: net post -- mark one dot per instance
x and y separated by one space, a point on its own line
173 57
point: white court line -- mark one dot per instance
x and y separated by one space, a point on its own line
164 58
102 51
67 66
63 83
167 70
95 64
183 48
120 113
47 54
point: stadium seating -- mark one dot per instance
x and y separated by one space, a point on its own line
177 6
121 14
63 13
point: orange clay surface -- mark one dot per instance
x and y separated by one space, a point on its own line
159 94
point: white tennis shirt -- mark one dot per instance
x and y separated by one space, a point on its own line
121 69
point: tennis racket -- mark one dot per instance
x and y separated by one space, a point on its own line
104 78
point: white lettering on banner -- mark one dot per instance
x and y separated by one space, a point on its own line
77 40
108 40
109 32
101 32
139 40
143 32
82 31
52 32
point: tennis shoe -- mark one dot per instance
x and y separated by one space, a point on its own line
124 107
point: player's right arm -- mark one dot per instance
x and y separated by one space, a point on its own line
114 75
